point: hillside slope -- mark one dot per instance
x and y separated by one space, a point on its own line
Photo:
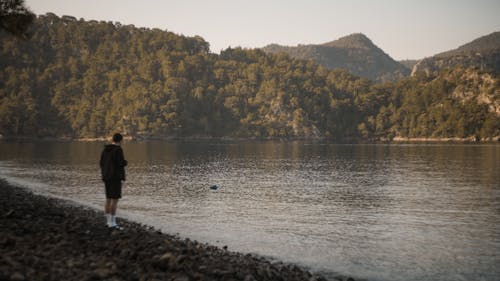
87 79
355 53
482 53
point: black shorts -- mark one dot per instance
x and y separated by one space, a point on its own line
113 189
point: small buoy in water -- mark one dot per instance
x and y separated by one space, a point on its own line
214 187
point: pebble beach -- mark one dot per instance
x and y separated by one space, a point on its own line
44 238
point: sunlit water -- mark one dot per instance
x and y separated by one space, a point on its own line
380 212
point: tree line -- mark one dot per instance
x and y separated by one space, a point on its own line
79 79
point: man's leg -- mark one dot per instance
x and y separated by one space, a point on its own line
113 193
113 207
107 206
107 210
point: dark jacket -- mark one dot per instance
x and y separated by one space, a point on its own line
112 163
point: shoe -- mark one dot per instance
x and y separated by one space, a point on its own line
115 227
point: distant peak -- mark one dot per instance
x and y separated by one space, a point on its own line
355 40
355 36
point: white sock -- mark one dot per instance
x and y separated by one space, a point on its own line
113 220
108 219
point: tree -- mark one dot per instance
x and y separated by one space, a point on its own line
87 78
15 18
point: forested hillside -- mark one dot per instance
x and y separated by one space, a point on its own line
456 103
81 79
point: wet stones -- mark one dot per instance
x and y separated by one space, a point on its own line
48 239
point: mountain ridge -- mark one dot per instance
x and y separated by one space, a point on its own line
484 43
482 53
355 53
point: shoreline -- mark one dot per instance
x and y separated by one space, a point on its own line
395 140
440 140
45 238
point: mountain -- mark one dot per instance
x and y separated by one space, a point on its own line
355 53
486 43
87 79
482 53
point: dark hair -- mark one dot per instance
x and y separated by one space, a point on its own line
117 137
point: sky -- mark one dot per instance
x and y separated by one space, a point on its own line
404 29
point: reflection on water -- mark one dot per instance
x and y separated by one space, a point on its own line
382 212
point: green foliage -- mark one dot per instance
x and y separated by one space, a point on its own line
434 107
15 18
79 79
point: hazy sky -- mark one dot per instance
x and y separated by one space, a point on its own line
404 29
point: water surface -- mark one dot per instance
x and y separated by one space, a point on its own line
380 212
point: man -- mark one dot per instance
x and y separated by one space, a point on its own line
113 173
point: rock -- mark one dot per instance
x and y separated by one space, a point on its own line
343 278
8 214
220 273
167 261
167 257
17 276
180 259
181 278
317 278
111 266
102 273
249 277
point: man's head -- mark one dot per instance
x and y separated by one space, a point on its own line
117 138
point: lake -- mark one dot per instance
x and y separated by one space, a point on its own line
379 212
